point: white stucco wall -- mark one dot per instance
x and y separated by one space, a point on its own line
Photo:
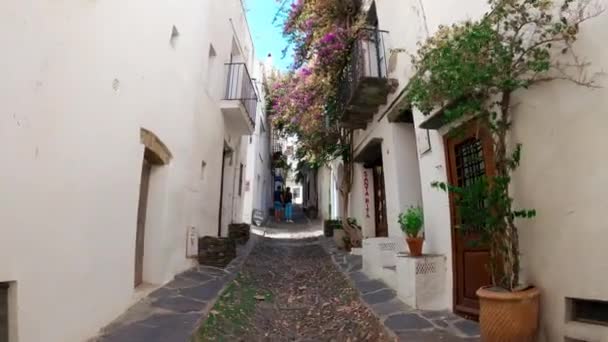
558 124
564 176
401 172
400 162
560 175
324 191
258 161
80 80
357 200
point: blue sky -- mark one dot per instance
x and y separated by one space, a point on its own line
267 36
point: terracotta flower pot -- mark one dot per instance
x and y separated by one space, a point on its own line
415 245
508 316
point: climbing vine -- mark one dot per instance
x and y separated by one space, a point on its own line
304 102
471 71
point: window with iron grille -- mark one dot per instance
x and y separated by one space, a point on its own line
469 162
470 166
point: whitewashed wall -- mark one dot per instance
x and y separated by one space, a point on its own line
401 172
357 200
79 81
324 191
257 173
561 127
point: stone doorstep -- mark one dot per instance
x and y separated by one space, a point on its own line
401 320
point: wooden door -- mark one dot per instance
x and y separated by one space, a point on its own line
380 203
141 222
469 157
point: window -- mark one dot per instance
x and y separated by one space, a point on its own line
241 180
211 68
588 311
4 311
203 168
174 36
469 162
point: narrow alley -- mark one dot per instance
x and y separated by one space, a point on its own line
301 288
301 296
303 170
289 289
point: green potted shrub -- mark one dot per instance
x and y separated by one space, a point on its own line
328 228
412 222
338 232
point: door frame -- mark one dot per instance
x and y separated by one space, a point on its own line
155 154
226 152
467 130
379 184
140 232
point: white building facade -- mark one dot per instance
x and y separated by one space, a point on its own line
92 91
258 182
561 175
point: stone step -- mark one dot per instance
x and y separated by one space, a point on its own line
389 276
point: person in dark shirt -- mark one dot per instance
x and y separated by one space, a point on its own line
287 198
278 204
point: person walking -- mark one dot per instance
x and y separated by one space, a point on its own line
288 205
278 204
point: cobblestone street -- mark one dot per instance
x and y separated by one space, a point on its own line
301 296
307 290
299 293
288 289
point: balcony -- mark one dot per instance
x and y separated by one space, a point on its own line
366 85
240 99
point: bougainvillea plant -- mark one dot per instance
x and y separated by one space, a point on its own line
304 102
471 70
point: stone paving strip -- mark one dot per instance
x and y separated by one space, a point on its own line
299 295
405 322
173 312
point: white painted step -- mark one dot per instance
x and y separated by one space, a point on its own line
389 276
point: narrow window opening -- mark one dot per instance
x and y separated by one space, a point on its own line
174 36
4 311
203 168
588 311
211 68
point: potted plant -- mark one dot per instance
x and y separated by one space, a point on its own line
347 244
469 71
411 222
328 228
338 233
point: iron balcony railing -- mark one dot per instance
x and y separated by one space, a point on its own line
367 60
240 86
276 143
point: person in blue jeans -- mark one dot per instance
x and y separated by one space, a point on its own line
288 205
278 204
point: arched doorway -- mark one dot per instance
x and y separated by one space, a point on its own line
156 154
